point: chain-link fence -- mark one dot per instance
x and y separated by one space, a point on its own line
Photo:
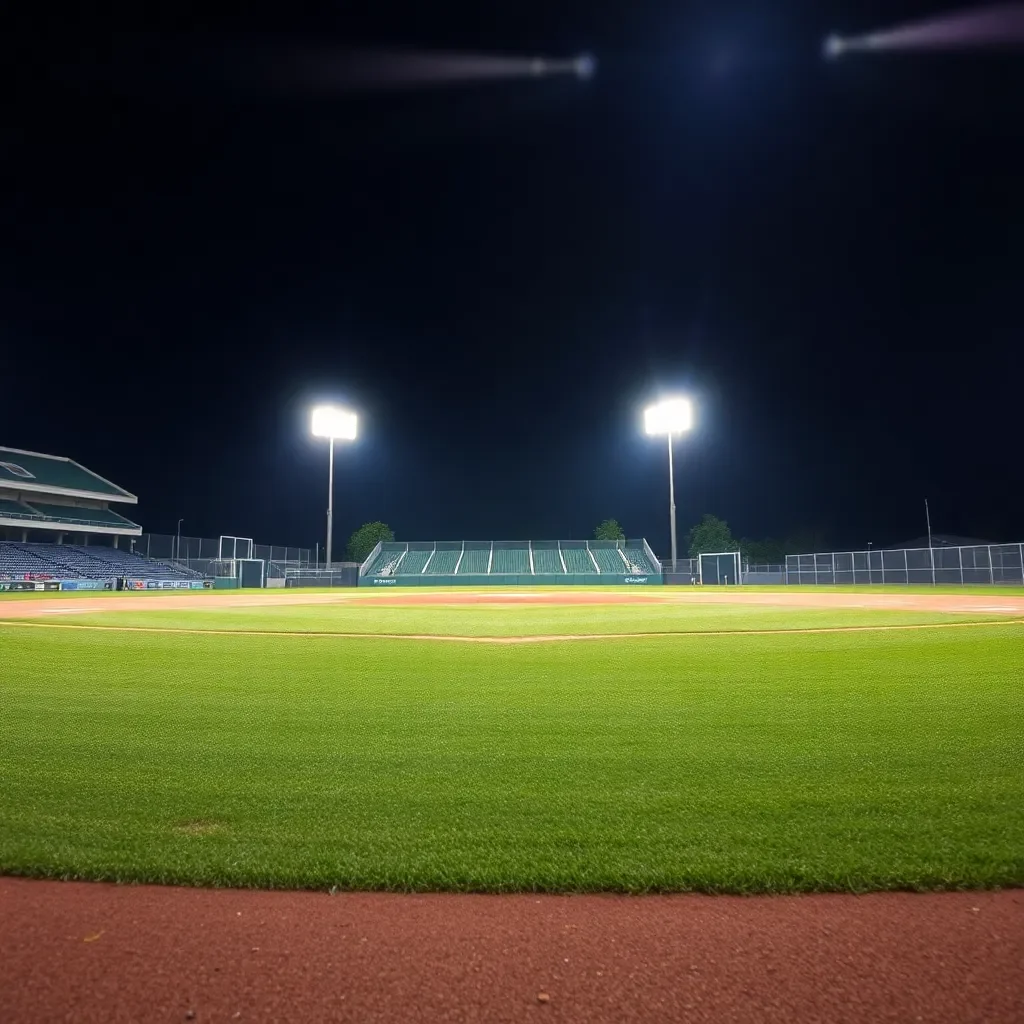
990 564
198 552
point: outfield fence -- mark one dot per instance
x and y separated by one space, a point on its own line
985 564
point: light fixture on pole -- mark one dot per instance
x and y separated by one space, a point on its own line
670 416
337 425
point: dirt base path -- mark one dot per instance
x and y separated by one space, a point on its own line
98 953
983 604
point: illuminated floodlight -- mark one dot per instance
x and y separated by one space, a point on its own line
584 66
671 416
834 47
337 424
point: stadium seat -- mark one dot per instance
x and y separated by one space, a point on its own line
475 561
513 561
546 560
67 561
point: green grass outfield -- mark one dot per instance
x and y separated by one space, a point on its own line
743 763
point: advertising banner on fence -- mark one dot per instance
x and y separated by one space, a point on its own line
168 585
23 585
86 585
511 580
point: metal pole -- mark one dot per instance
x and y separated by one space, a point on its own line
177 546
672 499
931 550
330 505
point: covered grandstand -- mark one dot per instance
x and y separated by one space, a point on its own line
490 563
59 531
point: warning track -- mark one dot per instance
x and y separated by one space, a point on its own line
106 954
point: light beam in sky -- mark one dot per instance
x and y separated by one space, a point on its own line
983 27
368 70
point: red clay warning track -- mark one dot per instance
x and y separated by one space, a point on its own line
100 953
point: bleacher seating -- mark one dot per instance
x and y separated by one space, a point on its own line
443 563
511 560
66 561
385 562
475 560
546 560
577 560
504 559
413 563
78 514
638 561
609 560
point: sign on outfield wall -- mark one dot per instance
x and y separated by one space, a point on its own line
22 585
513 580
168 585
86 585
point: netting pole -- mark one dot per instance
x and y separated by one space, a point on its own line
991 571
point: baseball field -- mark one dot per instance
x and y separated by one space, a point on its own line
732 741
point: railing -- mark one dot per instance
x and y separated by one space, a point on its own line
987 564
186 550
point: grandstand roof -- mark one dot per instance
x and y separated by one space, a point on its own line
54 474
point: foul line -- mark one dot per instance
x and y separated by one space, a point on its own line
544 638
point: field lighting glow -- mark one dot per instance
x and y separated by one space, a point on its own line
995 26
359 70
330 421
670 416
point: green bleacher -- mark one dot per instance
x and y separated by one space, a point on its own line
546 560
414 562
638 560
511 560
609 560
443 563
578 560
475 560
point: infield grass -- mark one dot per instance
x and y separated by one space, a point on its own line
840 761
525 620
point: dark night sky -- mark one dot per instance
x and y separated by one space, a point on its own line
827 257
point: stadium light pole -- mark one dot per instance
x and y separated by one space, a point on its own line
337 425
670 416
